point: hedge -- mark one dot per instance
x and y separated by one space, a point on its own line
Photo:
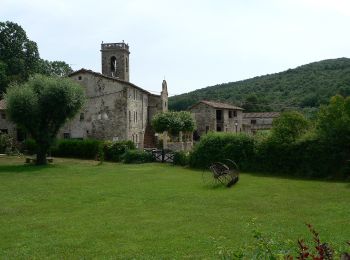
215 147
73 148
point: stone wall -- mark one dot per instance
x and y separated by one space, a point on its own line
205 117
137 107
6 125
104 114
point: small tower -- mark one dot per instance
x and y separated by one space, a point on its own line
164 96
115 60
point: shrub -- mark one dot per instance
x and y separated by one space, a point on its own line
218 146
7 144
84 149
181 158
113 151
137 156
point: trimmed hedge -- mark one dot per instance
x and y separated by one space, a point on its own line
137 156
73 148
308 157
113 151
215 147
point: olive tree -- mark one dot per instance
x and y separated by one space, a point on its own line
41 106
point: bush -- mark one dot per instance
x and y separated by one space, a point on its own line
7 144
113 151
181 158
137 156
84 149
215 147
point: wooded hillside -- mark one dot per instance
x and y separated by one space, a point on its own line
302 88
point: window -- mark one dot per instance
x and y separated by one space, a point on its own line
218 128
235 113
81 116
114 66
66 135
136 116
129 116
218 114
253 121
79 78
126 64
3 131
206 129
230 114
133 138
3 115
134 94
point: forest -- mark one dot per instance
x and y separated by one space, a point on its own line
304 88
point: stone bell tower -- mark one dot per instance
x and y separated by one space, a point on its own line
115 60
164 96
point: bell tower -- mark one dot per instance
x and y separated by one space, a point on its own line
115 60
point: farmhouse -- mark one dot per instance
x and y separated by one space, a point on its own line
217 117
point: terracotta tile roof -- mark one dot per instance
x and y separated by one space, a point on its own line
261 115
215 104
97 74
2 104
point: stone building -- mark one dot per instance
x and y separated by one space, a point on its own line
115 109
217 117
253 122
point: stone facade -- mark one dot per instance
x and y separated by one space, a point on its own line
253 122
115 109
6 127
217 117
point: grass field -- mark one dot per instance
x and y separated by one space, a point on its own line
78 209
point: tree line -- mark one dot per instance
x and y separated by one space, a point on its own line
20 58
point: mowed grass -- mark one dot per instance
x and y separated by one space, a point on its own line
78 209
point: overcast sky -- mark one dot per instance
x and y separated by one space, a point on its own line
193 44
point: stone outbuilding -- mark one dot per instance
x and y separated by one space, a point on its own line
257 121
217 117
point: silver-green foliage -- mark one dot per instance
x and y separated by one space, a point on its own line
42 105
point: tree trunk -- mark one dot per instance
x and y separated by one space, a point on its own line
41 156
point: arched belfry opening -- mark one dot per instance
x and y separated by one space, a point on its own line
113 66
115 60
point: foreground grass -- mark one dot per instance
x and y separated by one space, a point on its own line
77 209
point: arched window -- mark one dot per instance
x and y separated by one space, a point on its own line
114 65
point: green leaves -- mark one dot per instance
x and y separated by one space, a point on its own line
42 105
173 122
289 126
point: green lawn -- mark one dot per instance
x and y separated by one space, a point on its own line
78 209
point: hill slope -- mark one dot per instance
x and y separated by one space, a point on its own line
304 87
